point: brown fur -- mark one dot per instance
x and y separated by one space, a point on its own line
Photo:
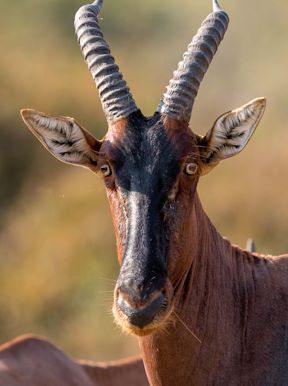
225 321
31 361
230 306
235 302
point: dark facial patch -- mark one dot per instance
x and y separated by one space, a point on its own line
149 161
146 160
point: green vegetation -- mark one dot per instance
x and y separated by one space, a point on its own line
57 249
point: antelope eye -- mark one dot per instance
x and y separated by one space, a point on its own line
191 168
106 170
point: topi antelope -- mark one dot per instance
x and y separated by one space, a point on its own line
206 312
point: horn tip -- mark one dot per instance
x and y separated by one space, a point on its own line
216 6
98 3
95 7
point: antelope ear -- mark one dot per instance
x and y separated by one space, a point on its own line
64 138
230 134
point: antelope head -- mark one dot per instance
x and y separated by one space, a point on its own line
150 165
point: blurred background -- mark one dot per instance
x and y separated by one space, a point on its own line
57 249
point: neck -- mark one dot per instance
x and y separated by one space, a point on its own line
126 372
205 290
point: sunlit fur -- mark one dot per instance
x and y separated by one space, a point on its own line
161 145
152 197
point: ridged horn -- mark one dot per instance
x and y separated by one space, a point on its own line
116 99
183 88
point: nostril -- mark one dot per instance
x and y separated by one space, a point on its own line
125 304
140 314
143 315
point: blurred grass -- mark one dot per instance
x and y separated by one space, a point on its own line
58 266
57 253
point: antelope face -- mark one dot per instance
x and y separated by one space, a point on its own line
142 162
150 166
150 170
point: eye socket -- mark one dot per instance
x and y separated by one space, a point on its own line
106 170
191 168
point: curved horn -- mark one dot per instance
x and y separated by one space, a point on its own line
178 101
115 96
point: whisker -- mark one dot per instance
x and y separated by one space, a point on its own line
107 279
106 304
187 328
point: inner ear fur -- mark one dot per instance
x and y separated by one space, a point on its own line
64 138
230 133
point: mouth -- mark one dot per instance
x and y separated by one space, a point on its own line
144 320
